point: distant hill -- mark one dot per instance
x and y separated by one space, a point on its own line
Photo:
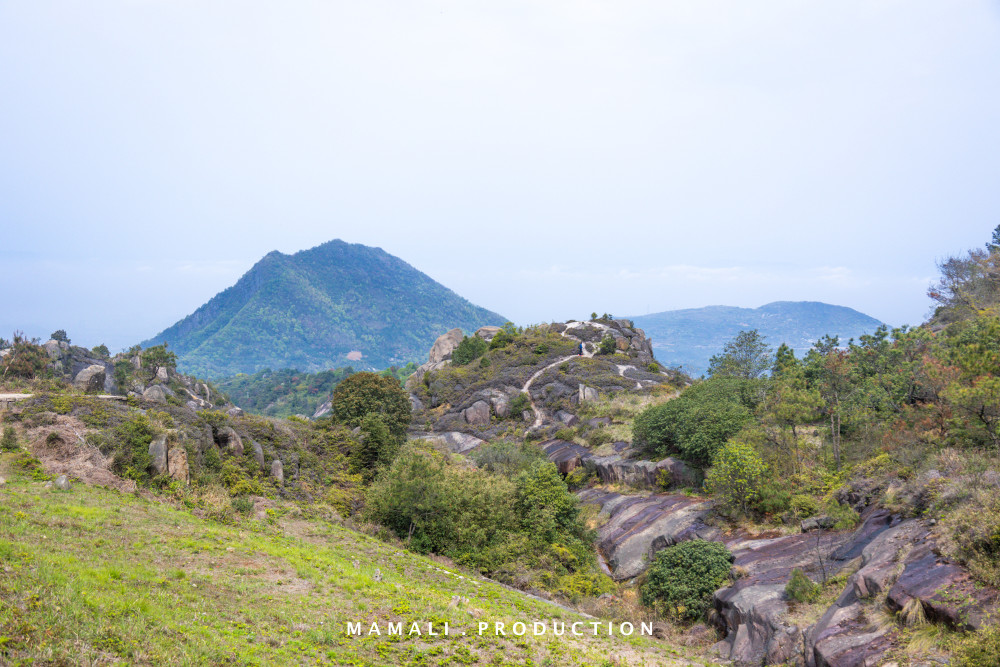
338 304
690 337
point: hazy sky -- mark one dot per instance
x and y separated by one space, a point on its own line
542 159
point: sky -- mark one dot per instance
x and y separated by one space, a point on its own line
544 160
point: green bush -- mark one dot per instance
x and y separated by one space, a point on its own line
25 360
803 506
695 424
102 351
519 404
608 345
578 478
681 580
801 588
736 476
243 504
8 443
129 445
470 349
775 498
377 446
362 394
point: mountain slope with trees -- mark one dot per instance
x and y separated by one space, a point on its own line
690 337
334 305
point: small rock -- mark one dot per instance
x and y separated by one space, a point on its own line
356 564
3 480
378 575
62 483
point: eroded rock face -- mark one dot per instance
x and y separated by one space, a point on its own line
456 441
445 345
619 470
177 464
638 527
91 379
158 454
566 455
487 333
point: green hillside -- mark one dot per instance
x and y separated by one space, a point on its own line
335 305
689 337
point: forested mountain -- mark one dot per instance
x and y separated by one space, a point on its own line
690 337
334 305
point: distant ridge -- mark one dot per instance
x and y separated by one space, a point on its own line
334 305
690 337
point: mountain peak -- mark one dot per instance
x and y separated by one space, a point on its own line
335 304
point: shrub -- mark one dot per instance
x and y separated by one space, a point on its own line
362 394
243 504
801 588
506 458
8 443
598 437
519 404
696 423
25 360
736 476
803 506
774 498
681 580
129 443
377 446
578 478
102 351
502 339
607 345
470 349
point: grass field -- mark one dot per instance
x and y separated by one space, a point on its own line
92 576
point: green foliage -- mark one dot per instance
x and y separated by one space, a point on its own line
681 580
736 476
747 356
502 339
8 443
513 514
102 351
285 392
977 649
607 345
363 394
801 588
60 335
129 446
803 506
519 404
470 349
506 458
377 446
242 504
26 359
695 424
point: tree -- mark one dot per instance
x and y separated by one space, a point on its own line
102 351
470 349
828 366
994 243
60 335
737 475
365 393
746 356
377 446
967 286
152 359
790 403
681 580
784 360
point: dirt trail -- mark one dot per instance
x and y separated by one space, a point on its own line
588 351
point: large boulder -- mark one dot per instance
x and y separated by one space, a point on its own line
616 469
445 345
455 441
487 333
278 472
478 414
177 464
258 453
566 455
639 526
90 379
158 454
155 394
230 440
585 393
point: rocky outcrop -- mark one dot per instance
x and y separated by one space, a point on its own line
586 393
230 440
639 526
278 472
177 464
258 453
158 454
478 414
456 441
616 469
91 379
444 346
155 394
487 333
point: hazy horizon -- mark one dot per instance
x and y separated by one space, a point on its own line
542 161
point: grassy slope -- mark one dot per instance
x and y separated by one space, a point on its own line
93 575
